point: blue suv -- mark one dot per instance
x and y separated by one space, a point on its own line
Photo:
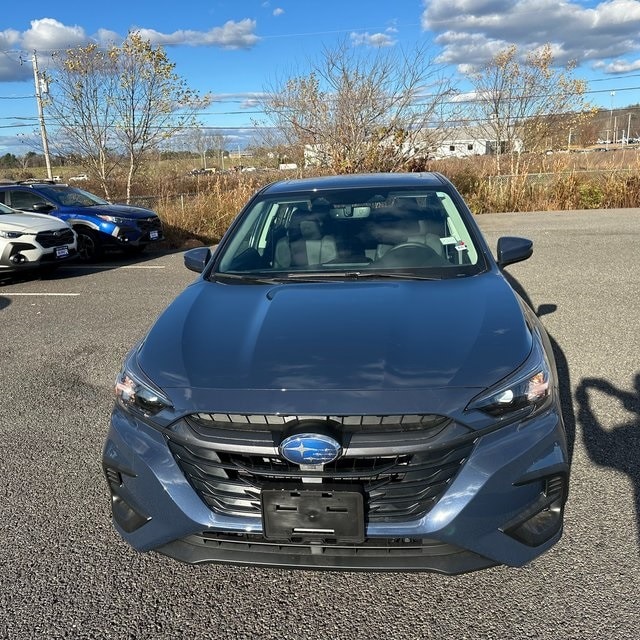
98 224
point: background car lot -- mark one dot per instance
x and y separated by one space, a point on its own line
65 573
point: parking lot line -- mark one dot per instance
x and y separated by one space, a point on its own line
142 266
98 267
8 294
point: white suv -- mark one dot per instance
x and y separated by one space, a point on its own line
32 240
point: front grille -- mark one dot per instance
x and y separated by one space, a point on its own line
48 239
397 487
355 423
370 546
149 224
374 554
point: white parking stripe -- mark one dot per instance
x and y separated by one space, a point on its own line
97 267
8 294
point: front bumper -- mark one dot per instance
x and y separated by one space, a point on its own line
481 518
137 234
23 256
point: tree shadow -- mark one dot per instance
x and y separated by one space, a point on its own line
617 447
562 366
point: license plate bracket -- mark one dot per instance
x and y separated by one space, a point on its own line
325 513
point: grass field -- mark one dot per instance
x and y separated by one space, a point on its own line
198 209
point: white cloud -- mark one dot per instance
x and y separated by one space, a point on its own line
372 39
232 35
471 31
619 66
107 38
278 12
9 38
243 97
47 35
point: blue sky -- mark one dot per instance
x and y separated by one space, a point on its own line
234 49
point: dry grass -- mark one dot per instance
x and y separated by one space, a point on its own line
198 210
206 214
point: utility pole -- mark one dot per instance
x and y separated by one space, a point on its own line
613 93
43 128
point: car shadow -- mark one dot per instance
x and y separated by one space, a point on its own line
614 447
4 302
562 366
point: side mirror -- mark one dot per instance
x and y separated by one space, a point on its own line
42 207
196 259
512 249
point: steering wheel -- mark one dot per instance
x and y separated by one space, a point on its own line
411 254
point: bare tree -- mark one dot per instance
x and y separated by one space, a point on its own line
208 143
354 111
154 103
519 104
119 103
81 104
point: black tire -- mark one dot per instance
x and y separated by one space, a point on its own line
89 248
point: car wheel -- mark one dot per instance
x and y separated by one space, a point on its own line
89 248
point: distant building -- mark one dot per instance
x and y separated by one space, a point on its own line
467 142
437 145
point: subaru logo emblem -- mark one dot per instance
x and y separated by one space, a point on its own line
310 449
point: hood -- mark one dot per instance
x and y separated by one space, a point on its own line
366 336
119 210
30 222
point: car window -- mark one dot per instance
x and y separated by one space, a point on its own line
72 197
4 209
25 199
416 232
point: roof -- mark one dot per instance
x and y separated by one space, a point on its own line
357 181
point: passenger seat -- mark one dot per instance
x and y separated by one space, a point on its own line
304 244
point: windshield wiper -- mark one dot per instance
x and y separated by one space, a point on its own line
356 275
244 278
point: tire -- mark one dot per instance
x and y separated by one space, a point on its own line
89 248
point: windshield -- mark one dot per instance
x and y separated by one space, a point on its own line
355 233
4 209
72 197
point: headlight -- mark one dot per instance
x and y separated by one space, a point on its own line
526 391
114 219
137 395
10 235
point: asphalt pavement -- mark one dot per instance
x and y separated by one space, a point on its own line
64 573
